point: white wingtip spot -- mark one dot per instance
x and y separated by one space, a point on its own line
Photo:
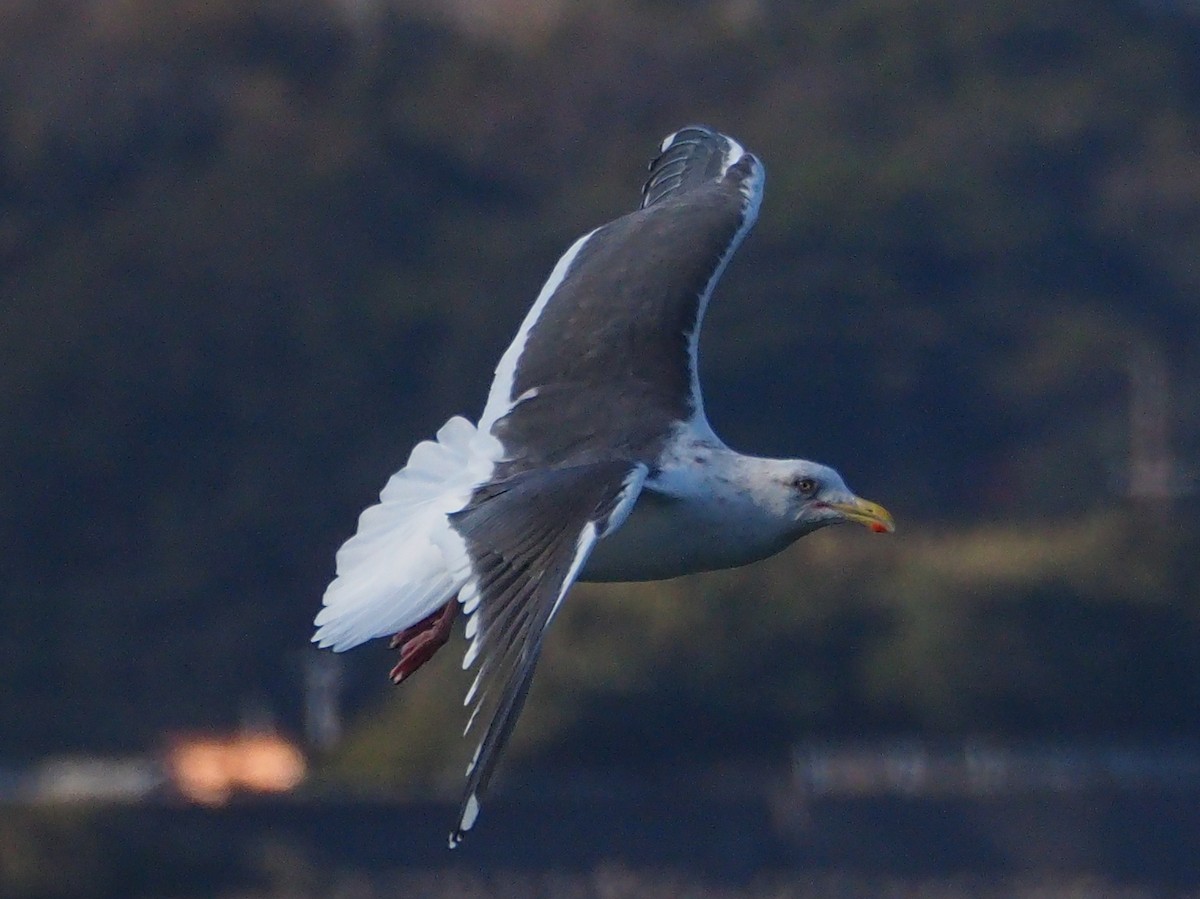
736 152
470 813
733 152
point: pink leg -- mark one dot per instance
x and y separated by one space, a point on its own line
418 643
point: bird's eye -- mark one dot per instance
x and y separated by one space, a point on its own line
806 486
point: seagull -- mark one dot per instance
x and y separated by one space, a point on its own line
593 459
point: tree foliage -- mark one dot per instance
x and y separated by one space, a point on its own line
250 252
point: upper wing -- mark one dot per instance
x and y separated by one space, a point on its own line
609 346
521 543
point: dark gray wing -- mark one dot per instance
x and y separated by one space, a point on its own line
526 539
606 359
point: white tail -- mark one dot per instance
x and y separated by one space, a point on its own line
391 573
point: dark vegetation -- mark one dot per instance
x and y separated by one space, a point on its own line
661 845
251 251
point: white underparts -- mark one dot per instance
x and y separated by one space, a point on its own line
706 508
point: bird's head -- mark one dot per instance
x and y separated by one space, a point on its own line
817 497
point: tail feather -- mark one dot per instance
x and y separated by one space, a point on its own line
391 574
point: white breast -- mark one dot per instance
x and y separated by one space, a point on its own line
707 509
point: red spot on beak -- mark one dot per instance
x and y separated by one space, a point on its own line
878 528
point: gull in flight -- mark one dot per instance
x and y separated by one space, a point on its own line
593 459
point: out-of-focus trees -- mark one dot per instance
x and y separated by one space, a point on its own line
250 252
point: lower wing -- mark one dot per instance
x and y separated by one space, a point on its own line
519 545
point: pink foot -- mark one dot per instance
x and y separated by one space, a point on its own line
417 644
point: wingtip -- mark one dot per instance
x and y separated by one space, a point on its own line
695 126
684 160
469 813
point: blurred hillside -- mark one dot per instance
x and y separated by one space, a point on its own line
251 251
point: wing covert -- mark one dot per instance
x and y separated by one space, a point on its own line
608 352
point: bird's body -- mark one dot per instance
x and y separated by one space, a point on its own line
592 460
707 508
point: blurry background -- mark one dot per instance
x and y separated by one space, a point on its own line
252 250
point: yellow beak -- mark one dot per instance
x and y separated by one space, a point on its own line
869 514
